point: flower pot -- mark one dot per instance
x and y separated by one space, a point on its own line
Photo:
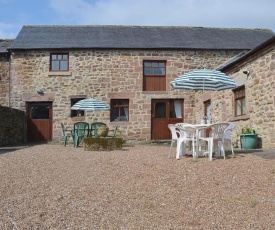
103 131
249 141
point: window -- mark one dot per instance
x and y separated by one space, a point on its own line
239 99
119 110
40 112
154 75
76 113
59 62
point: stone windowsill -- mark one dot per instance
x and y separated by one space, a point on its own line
60 73
154 92
239 118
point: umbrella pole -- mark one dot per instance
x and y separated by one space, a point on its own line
202 102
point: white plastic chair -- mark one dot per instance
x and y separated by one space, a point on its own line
227 135
175 135
187 134
215 138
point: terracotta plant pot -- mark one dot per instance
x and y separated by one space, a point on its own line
103 131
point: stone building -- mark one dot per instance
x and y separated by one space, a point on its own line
254 72
127 67
4 71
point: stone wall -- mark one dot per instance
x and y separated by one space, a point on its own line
106 75
4 80
260 98
12 127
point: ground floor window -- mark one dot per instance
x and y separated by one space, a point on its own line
76 113
119 110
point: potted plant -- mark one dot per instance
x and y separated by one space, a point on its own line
249 138
102 131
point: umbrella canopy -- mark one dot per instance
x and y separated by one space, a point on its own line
90 104
203 79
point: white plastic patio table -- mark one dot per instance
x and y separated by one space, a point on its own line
197 128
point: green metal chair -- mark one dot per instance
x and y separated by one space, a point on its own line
67 133
81 130
94 129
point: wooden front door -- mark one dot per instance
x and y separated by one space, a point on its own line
39 121
164 112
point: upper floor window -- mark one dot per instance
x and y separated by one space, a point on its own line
59 62
154 75
76 113
119 110
239 99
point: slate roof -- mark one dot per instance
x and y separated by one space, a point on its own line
244 54
4 44
138 37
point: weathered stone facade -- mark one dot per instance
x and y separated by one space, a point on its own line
260 96
4 79
106 75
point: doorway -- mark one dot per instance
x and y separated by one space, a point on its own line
39 121
164 112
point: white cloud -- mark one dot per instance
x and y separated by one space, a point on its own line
212 13
205 13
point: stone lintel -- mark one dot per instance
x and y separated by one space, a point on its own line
38 97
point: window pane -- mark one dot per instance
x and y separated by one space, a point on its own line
55 65
40 112
65 57
238 107
154 64
126 113
147 64
63 65
148 71
54 57
123 116
160 110
159 71
176 109
114 114
161 64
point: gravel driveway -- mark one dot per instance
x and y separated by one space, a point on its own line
55 187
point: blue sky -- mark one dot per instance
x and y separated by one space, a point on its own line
206 13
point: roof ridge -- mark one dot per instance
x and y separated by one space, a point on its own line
137 26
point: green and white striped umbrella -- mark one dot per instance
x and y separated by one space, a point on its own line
203 79
90 104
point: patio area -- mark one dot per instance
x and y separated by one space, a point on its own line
50 186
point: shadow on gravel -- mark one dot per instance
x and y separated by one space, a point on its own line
4 150
266 154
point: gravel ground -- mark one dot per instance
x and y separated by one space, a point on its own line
55 187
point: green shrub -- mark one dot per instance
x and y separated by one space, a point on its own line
248 130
